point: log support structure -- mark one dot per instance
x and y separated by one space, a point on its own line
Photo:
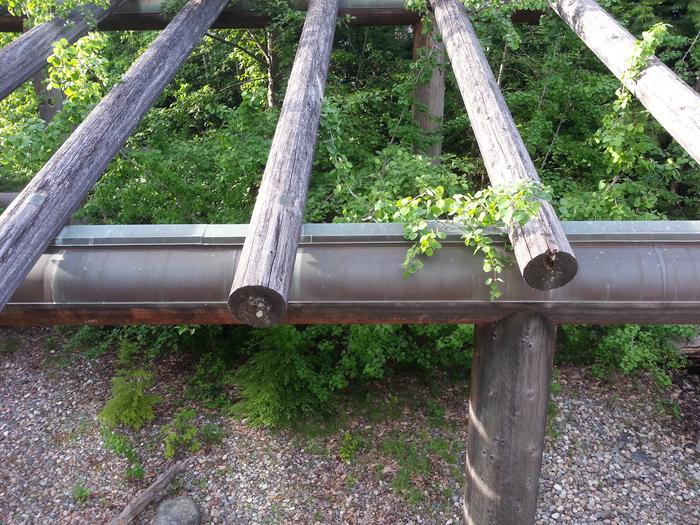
31 221
674 104
543 253
511 372
27 55
260 289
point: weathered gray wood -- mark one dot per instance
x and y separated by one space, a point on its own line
543 253
35 216
144 497
674 104
429 97
261 284
511 372
27 55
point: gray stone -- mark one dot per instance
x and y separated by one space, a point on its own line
178 511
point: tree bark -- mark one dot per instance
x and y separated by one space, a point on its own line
273 70
511 372
429 97
261 284
674 104
35 216
27 55
50 100
543 253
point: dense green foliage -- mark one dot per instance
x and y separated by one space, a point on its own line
199 154
131 404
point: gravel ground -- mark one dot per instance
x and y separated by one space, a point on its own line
615 453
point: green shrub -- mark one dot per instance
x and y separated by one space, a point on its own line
130 404
80 493
210 381
121 445
628 349
181 434
349 447
211 434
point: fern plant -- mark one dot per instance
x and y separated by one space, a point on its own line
130 405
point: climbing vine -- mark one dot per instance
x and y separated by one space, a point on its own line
429 216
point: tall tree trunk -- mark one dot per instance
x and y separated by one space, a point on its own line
429 97
273 70
50 100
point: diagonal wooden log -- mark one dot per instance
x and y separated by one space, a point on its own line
543 253
261 284
27 55
35 216
144 498
511 372
674 104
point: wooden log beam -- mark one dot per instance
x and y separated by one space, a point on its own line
29 224
27 55
542 251
429 97
260 288
674 104
511 372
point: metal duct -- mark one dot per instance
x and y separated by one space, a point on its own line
645 272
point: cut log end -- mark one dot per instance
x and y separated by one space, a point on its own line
257 306
550 270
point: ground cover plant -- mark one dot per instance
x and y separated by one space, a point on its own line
199 154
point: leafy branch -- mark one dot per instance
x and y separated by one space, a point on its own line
428 216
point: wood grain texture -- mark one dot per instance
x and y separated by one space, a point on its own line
43 207
261 284
543 253
674 104
27 55
429 97
511 372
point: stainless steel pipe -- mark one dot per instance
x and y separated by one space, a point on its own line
645 272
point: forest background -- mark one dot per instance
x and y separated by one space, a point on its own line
199 154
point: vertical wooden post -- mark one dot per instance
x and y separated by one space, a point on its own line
264 273
511 372
27 55
35 216
543 253
429 97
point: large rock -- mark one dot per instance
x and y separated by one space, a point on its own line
178 511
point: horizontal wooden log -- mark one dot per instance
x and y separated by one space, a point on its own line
261 283
27 55
35 216
145 15
541 249
511 372
674 104
631 272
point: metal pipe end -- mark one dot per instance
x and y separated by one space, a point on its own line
257 306
550 270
